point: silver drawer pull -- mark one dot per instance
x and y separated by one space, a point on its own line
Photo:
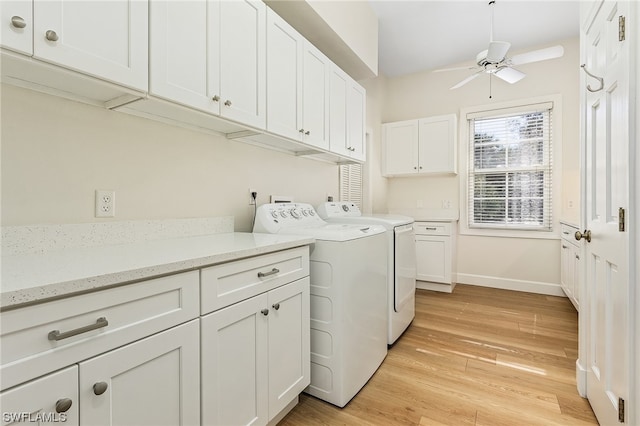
56 335
18 22
430 229
266 274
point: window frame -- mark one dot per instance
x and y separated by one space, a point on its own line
502 109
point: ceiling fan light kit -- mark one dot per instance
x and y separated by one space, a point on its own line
494 60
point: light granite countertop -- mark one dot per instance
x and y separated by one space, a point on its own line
29 278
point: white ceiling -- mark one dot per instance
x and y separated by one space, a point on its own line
429 34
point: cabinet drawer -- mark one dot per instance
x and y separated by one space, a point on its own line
432 228
92 323
228 283
568 233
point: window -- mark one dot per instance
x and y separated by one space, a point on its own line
510 169
351 183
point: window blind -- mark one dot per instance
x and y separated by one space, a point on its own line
350 176
510 170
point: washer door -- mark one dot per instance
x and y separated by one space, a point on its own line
404 266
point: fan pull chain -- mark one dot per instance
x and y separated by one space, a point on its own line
490 81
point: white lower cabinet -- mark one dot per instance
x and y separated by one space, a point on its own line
52 399
255 356
154 381
570 264
435 252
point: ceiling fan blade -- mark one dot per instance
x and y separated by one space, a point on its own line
538 55
466 80
510 75
497 51
456 69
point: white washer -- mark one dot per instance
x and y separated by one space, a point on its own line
348 297
401 276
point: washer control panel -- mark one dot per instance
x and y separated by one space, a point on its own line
338 209
270 218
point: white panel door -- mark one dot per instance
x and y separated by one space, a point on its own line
289 344
242 61
235 364
315 97
178 58
356 121
400 148
607 167
284 78
49 400
154 381
107 39
338 90
16 32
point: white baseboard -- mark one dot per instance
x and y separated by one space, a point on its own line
551 289
581 379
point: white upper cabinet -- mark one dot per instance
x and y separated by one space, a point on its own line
423 146
347 115
238 54
178 58
105 39
210 55
16 32
315 103
284 78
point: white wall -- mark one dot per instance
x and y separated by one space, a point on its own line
56 153
525 264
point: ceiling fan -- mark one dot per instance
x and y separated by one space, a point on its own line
494 60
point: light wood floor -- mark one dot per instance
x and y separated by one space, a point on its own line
479 356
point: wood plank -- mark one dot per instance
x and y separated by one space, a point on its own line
478 356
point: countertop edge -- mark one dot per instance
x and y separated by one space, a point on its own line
22 297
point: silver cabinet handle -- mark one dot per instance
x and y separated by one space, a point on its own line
430 229
308 132
264 312
276 306
51 35
18 22
266 274
563 246
215 98
100 388
301 131
57 335
227 102
63 405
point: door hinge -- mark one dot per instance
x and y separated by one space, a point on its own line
620 410
621 28
621 219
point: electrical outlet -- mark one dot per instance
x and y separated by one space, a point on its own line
252 200
105 203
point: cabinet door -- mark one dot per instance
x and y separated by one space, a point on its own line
315 97
356 121
338 90
43 401
289 344
284 78
400 148
107 39
437 144
242 60
178 62
234 364
567 261
154 381
433 258
16 32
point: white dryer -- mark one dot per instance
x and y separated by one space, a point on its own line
348 297
401 259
